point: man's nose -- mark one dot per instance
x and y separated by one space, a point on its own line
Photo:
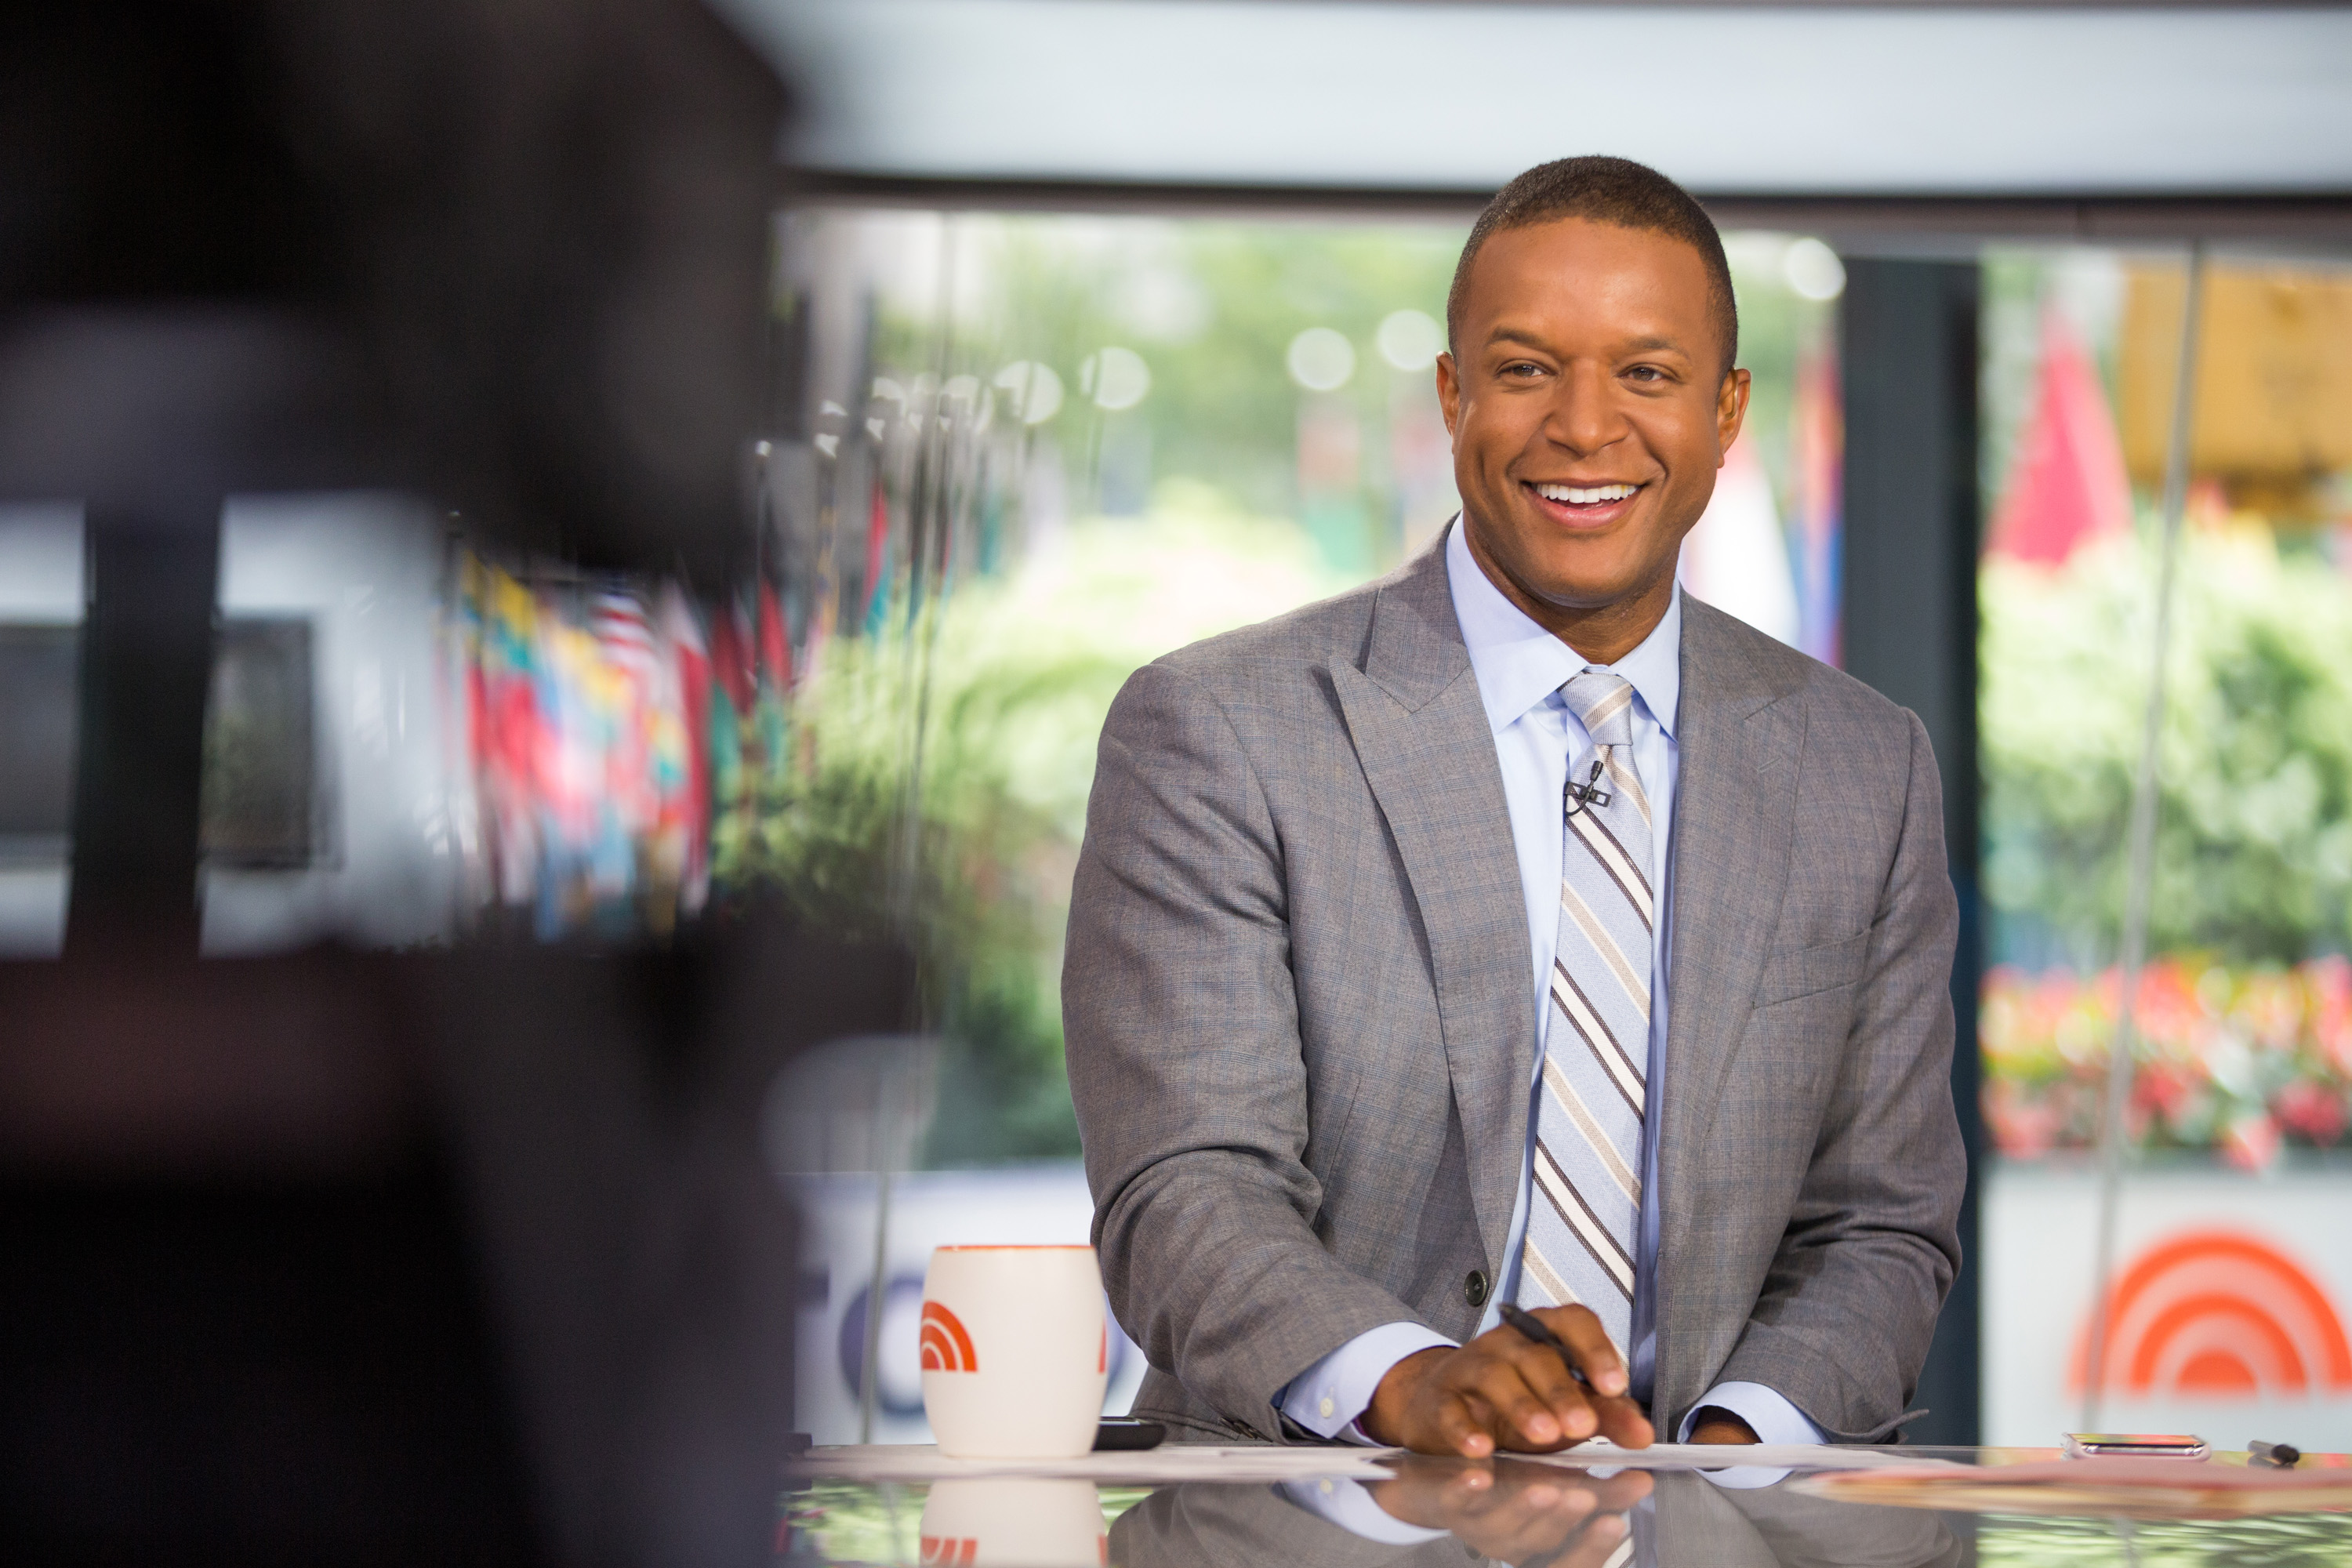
1583 418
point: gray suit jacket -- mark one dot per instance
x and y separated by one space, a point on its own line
1301 1029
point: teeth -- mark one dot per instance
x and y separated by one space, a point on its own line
1575 496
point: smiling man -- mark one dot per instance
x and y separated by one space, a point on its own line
1515 929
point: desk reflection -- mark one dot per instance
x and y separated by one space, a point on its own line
1437 1511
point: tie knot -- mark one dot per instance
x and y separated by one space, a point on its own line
1604 702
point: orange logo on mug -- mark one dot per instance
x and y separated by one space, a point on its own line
948 1552
946 1346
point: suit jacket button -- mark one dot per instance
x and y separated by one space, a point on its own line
1474 1288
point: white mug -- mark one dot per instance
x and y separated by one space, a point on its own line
1016 1351
1021 1521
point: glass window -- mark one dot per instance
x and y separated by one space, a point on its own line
2232 1291
260 801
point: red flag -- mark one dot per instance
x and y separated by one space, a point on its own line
694 699
730 661
2067 485
775 649
878 542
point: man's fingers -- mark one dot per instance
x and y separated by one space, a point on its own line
1548 1378
1457 1428
1589 1342
1527 1415
1505 1392
1623 1424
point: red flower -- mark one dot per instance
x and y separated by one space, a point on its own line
2311 1112
2252 1143
2022 1129
2165 1088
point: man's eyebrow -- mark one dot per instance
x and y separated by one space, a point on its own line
1644 346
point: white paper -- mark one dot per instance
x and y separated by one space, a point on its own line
1167 1463
1601 1455
1281 1462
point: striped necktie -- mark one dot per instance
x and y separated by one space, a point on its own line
1586 1209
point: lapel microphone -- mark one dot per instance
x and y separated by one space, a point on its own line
1576 796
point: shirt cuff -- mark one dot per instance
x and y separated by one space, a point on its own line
1348 1505
1327 1397
1768 1414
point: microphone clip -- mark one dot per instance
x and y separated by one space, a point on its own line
1577 796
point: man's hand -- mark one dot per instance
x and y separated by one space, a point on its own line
1512 1512
1505 1391
1716 1424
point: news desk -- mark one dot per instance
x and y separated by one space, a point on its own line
1300 1508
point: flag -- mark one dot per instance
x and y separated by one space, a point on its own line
2067 485
1819 442
877 556
775 646
1736 558
691 661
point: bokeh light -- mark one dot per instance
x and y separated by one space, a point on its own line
1321 360
1115 378
1034 390
1410 339
1813 270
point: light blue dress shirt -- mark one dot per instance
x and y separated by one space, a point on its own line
1520 667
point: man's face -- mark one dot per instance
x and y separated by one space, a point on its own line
1590 411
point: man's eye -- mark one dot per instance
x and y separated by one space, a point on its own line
1522 369
1646 372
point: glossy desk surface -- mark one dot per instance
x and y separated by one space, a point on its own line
1448 1513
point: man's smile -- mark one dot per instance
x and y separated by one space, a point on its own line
1583 506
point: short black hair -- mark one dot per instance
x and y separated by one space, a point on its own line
1614 191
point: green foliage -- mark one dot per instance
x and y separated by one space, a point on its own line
1211 307
976 859
2254 850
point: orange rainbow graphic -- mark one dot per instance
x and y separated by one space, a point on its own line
949 1551
946 1346
2219 1315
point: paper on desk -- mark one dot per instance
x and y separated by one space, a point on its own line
1602 1455
1272 1462
1150 1466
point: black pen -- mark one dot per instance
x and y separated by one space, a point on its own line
2280 1455
1531 1327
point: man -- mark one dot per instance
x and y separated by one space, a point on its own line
1514 929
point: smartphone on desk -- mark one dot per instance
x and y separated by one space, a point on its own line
1119 1434
2142 1445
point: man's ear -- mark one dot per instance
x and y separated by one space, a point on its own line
1449 390
1730 410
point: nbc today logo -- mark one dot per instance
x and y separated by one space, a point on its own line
2213 1314
947 1347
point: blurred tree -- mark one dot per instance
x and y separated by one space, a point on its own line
2253 856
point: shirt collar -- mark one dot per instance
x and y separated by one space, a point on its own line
1518 664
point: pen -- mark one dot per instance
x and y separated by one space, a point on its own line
1531 1327
2280 1455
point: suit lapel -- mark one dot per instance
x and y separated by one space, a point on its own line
1421 733
1734 799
